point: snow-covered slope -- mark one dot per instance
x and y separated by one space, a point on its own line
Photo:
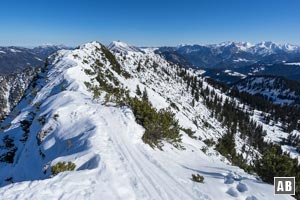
12 88
277 89
64 121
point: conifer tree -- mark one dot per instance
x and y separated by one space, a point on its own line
197 96
139 67
145 95
46 62
193 102
138 90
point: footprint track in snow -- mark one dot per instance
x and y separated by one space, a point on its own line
237 187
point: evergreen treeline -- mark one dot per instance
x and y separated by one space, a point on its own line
289 115
235 118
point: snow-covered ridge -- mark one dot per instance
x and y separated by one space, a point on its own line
118 46
232 73
297 63
104 141
258 49
265 47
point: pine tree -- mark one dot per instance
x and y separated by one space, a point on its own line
138 90
139 67
46 62
145 95
274 163
197 96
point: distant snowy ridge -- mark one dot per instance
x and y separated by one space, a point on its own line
298 63
265 47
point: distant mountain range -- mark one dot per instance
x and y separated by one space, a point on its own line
242 57
14 59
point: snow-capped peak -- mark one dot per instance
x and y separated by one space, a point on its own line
89 45
267 45
290 47
244 46
261 48
118 46
272 47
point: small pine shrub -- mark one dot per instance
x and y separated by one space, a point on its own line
98 63
88 84
33 92
61 167
207 125
42 120
145 96
204 149
197 178
42 134
9 179
138 91
173 105
189 132
63 88
25 125
55 116
37 105
8 157
9 143
89 72
97 92
159 125
209 142
126 74
138 67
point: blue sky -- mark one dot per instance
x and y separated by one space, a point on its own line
148 22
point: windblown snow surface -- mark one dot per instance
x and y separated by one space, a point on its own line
104 142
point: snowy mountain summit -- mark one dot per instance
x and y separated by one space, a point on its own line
117 46
82 131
